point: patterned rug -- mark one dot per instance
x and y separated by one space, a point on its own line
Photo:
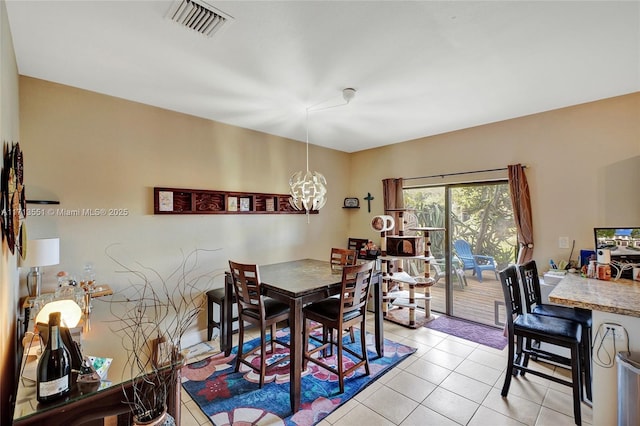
229 398
478 333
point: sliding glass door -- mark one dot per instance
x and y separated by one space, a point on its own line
479 240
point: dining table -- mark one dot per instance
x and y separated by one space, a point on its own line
298 283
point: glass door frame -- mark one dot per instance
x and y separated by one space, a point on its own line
447 249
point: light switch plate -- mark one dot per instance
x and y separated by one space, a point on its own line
563 242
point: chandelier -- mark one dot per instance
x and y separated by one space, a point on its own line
309 189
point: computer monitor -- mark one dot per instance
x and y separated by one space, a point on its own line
624 244
621 241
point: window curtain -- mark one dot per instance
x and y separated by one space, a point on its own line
393 198
521 201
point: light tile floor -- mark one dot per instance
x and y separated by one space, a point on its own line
447 381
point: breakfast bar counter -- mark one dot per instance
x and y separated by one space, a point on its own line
612 303
618 297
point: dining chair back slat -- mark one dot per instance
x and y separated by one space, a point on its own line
355 289
246 283
530 285
341 257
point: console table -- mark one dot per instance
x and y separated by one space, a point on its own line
88 408
85 409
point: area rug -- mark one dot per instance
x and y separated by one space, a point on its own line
200 349
229 398
478 333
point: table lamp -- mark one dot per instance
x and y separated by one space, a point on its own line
70 312
40 253
70 316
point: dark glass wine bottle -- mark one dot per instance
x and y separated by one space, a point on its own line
54 367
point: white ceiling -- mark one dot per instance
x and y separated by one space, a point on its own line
419 67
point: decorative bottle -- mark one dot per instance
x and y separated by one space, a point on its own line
54 366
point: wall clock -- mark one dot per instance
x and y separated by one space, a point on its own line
351 203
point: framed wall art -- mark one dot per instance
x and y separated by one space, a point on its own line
12 200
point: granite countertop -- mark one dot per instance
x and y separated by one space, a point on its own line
618 297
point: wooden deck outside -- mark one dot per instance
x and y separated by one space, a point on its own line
476 302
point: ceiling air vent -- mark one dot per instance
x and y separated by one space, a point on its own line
198 16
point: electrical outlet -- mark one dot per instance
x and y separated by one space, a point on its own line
615 330
563 242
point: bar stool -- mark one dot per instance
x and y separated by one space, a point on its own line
534 304
341 313
216 297
523 327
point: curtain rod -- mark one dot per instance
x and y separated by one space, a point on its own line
460 173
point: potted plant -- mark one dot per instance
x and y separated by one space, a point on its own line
152 315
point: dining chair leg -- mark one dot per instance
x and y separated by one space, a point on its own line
525 361
263 354
273 338
518 353
223 315
210 320
339 362
327 336
305 345
363 346
329 350
586 350
510 370
576 373
240 347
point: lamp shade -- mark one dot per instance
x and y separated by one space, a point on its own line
70 312
42 252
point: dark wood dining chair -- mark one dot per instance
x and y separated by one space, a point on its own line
534 304
259 310
523 326
341 257
215 298
340 313
357 244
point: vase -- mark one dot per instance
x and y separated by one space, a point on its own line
164 419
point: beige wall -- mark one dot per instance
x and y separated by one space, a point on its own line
9 125
91 151
583 168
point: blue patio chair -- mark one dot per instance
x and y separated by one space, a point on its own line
477 263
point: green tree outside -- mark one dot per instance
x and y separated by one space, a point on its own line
481 214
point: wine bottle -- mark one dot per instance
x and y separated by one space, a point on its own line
54 366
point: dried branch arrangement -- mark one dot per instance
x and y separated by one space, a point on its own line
152 315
